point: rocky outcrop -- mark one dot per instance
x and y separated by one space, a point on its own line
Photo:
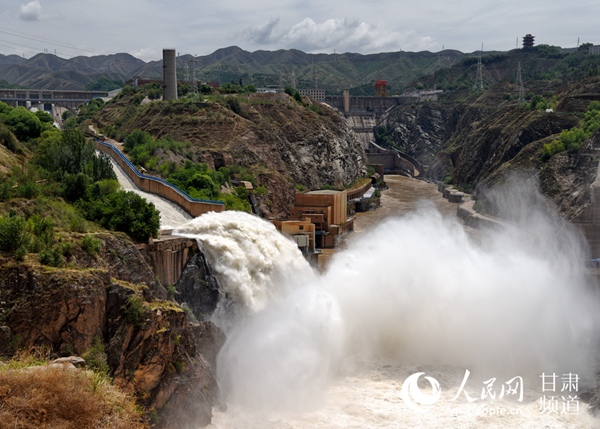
197 288
151 347
419 129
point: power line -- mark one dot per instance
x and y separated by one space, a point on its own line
47 41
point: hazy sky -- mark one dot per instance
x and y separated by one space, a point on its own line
144 27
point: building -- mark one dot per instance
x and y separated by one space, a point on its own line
271 89
303 233
528 41
317 94
594 50
328 211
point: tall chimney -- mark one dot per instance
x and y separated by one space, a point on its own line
169 75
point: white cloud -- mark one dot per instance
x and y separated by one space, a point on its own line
31 11
262 34
341 35
148 54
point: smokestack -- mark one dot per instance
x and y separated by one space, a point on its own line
169 75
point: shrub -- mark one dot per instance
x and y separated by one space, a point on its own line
42 229
134 311
28 189
234 105
51 256
14 237
55 398
91 245
95 357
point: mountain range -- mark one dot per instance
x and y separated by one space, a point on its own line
333 72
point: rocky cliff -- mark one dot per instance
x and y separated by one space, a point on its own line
282 141
477 140
113 304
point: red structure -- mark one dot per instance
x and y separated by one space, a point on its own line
381 88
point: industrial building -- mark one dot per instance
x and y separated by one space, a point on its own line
328 211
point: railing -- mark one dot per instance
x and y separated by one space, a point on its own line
357 193
195 207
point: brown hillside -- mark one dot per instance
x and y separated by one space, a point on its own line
283 142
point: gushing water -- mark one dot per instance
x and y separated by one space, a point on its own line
170 214
414 294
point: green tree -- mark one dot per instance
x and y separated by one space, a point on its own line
136 138
204 182
23 124
45 118
8 139
14 237
126 212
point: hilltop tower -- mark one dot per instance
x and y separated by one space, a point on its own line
381 87
478 85
528 41
169 75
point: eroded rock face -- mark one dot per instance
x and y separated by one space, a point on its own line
197 288
418 130
61 308
152 348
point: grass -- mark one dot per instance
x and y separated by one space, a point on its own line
33 397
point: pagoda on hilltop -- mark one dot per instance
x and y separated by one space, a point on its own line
528 41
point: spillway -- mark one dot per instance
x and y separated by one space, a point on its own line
171 215
414 324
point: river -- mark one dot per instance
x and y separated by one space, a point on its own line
412 325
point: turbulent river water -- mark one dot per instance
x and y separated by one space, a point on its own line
415 323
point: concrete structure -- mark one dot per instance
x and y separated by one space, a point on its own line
358 193
168 256
159 186
271 89
364 113
303 233
394 161
64 98
376 106
169 74
316 93
328 211
594 50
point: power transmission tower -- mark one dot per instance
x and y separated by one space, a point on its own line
479 78
186 72
193 81
293 79
520 84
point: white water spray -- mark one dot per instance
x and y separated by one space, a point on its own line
253 263
415 292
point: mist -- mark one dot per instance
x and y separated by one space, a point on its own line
418 289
